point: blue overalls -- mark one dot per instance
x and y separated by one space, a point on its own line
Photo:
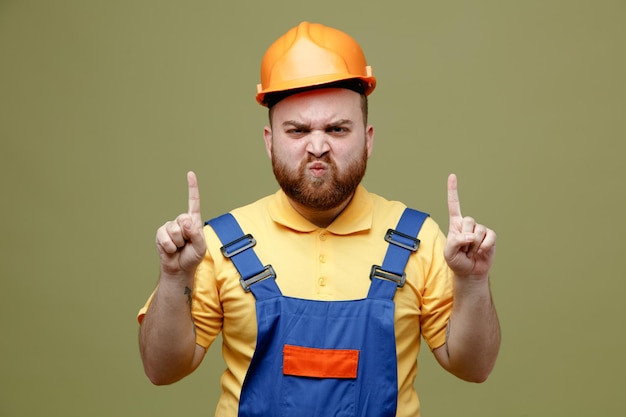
322 358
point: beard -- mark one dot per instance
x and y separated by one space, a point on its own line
320 193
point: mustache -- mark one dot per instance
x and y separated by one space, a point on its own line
322 158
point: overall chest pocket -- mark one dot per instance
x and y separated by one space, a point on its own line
319 382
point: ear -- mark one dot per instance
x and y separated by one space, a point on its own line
369 139
267 137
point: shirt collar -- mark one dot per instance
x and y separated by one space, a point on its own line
356 217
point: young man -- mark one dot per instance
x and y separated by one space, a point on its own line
322 290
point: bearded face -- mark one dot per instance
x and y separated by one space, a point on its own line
319 144
326 190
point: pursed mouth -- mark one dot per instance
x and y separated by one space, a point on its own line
318 168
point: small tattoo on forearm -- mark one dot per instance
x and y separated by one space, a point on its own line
188 293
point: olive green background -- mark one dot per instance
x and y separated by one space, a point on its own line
105 105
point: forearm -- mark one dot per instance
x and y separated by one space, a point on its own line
167 334
473 339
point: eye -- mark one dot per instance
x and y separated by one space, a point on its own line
296 132
338 130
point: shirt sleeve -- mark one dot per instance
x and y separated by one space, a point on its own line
206 307
144 309
437 293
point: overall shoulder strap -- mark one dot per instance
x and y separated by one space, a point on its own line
237 246
402 242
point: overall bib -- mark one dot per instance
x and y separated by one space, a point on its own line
322 358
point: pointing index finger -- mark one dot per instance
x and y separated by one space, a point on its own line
194 197
454 206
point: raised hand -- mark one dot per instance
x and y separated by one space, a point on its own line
180 243
471 247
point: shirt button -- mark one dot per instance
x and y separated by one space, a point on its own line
321 282
322 259
323 236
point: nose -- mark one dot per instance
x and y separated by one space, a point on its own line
318 144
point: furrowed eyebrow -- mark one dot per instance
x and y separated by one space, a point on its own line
341 122
299 125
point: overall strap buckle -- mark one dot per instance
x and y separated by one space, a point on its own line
268 272
238 247
403 240
378 272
